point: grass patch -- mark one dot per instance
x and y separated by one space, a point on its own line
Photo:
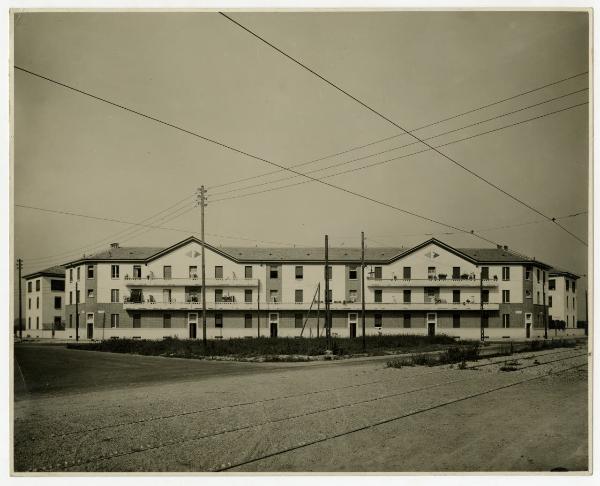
451 355
265 346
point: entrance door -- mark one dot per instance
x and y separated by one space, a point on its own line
528 318
352 319
431 323
273 324
90 325
192 324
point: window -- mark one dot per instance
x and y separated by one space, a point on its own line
137 271
543 276
298 321
567 284
538 274
456 320
248 295
70 274
485 296
71 297
218 295
298 295
329 295
78 273
456 296
29 303
219 320
378 320
167 272
57 302
57 285
90 271
573 305
407 323
37 302
485 273
167 295
378 273
528 294
406 271
114 271
538 297
505 321
505 273
455 272
567 302
193 271
248 271
137 320
505 296
299 272
70 321
329 272
90 293
378 295
29 287
37 285
218 271
166 321
37 322
352 273
114 295
248 320
573 285
485 320
352 295
430 272
77 292
527 273
273 271
549 301
273 295
114 320
551 284
406 296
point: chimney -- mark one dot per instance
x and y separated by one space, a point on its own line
499 247
114 245
505 247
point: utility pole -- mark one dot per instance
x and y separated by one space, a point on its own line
20 267
544 308
258 308
201 201
481 303
318 305
587 325
327 313
76 311
362 289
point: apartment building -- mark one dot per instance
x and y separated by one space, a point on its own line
432 288
562 298
44 303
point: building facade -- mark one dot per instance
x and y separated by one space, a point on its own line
562 304
44 303
431 288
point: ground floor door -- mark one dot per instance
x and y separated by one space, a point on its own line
273 324
352 320
528 319
192 324
90 325
431 323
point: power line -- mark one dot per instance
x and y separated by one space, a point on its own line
401 146
244 179
454 161
261 159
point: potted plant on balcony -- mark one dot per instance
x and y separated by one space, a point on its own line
465 276
442 276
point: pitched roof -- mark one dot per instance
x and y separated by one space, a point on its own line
311 253
498 255
558 271
56 271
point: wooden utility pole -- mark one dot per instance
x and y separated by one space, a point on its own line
258 308
76 311
201 198
20 267
327 312
362 290
318 305
544 308
481 304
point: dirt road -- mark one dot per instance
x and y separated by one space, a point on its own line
355 417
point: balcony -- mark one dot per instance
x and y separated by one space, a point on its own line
190 282
429 282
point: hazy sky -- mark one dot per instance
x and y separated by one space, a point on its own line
203 73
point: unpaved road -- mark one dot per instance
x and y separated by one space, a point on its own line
351 417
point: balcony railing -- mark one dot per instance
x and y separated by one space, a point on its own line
430 282
192 281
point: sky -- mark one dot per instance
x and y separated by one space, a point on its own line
202 72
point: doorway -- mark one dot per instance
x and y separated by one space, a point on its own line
192 324
90 325
273 324
528 318
352 320
431 323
